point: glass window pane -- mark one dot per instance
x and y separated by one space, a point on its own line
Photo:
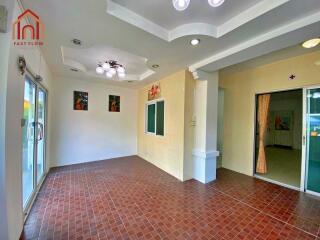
151 118
41 134
313 178
28 136
160 118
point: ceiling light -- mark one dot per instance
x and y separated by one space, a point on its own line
181 5
111 68
112 71
74 69
155 66
121 75
99 70
120 69
195 42
109 75
106 66
311 43
215 3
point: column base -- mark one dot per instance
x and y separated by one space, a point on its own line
205 165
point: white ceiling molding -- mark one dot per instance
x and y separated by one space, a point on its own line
248 15
195 28
294 25
136 66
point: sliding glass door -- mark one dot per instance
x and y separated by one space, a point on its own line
28 139
33 138
313 141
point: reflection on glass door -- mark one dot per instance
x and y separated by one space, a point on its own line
33 138
41 105
28 143
313 141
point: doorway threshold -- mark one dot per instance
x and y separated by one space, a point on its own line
277 183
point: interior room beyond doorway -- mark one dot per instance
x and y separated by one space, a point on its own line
283 137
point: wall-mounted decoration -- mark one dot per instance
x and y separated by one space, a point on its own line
282 122
22 65
154 92
80 101
292 77
114 103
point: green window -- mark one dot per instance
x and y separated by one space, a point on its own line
155 118
151 118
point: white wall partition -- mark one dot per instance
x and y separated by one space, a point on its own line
96 134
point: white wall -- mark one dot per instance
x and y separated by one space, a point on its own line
4 50
96 134
13 133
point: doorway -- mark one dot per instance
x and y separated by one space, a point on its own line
33 138
282 140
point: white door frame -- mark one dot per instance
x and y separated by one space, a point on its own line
305 152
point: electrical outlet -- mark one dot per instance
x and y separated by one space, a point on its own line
3 19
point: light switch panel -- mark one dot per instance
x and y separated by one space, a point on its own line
3 19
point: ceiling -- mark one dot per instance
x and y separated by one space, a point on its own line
143 33
282 54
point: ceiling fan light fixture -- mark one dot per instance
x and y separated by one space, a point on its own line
121 70
112 71
121 75
311 43
109 75
215 3
106 66
181 5
100 70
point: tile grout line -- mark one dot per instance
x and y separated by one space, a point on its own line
268 214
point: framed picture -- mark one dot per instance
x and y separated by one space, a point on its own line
80 101
282 122
114 103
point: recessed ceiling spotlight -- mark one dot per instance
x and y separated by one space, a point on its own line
181 5
311 43
215 3
76 42
74 70
155 66
195 42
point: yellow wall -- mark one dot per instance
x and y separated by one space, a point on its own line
239 112
188 127
165 152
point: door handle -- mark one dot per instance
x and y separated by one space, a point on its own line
40 133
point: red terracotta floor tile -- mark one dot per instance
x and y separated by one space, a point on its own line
128 198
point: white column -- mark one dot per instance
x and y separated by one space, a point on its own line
206 116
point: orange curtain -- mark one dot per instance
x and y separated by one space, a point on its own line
263 110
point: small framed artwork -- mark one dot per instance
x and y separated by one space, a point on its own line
114 103
80 101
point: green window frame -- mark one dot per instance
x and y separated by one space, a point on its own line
155 118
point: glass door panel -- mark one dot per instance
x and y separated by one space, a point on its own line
41 118
28 139
313 140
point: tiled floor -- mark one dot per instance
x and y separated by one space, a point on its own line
129 198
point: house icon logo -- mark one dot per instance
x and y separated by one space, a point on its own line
28 30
